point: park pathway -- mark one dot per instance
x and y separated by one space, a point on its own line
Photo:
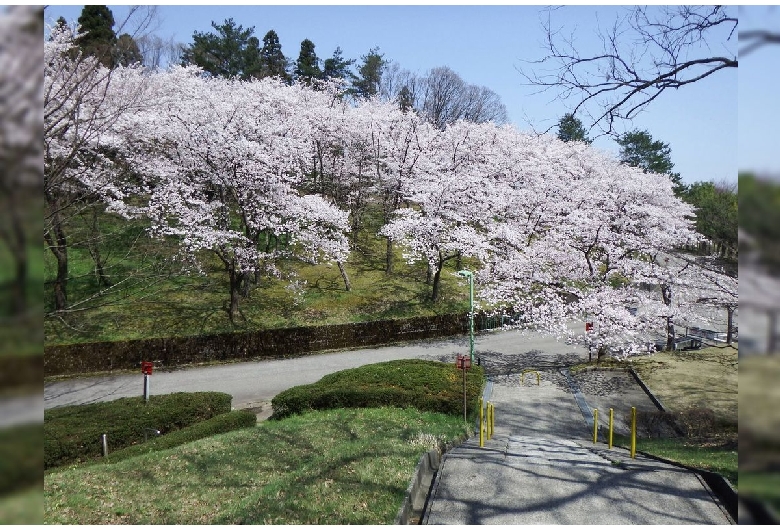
541 467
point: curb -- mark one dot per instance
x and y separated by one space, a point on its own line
426 476
760 512
422 483
649 393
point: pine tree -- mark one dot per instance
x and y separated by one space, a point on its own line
98 37
370 74
405 99
253 66
126 51
638 149
230 52
307 66
337 67
274 63
570 129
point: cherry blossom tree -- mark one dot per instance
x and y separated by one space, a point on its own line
224 161
452 197
561 230
82 103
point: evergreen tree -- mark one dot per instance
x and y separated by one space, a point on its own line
126 51
307 67
570 129
337 67
253 63
273 61
405 99
638 149
98 37
370 74
716 214
62 23
230 52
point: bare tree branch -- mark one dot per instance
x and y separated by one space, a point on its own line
644 53
755 39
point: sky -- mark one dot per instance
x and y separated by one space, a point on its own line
759 106
486 45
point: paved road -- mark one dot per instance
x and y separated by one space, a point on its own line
541 467
254 383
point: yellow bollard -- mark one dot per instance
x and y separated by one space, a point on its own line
492 419
481 425
522 376
633 432
611 423
487 426
595 425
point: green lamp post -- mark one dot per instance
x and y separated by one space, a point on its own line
470 276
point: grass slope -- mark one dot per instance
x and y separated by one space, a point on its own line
345 466
706 378
158 299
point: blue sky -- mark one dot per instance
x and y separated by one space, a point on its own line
759 106
486 45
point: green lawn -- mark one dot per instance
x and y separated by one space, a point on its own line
344 466
24 507
697 454
764 485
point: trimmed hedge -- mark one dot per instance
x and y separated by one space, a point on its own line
21 457
73 434
425 385
265 344
231 421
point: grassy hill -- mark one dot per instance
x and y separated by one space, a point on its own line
152 296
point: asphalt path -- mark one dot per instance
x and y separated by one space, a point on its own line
253 384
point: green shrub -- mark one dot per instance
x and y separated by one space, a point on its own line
73 434
231 421
21 457
424 385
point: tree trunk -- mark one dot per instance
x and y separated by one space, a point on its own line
429 274
730 333
459 261
235 284
436 278
772 340
389 257
343 271
58 245
245 283
94 251
666 293
12 232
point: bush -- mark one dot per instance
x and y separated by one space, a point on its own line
21 457
73 434
231 421
424 385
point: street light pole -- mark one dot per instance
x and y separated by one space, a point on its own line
470 276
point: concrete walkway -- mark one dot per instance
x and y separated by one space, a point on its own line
541 467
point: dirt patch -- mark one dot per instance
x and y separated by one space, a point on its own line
261 409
